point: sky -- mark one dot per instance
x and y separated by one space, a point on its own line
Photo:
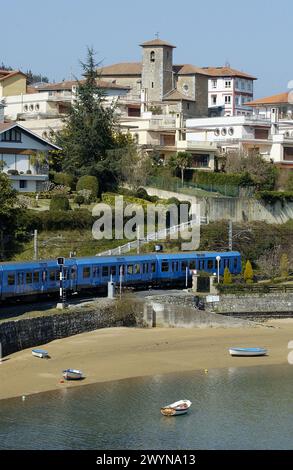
52 37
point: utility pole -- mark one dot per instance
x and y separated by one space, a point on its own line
230 235
35 245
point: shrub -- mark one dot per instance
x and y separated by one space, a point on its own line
90 183
248 272
63 179
59 203
141 193
79 199
227 277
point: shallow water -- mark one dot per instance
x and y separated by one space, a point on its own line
245 408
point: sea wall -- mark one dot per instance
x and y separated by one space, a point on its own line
21 334
267 305
237 209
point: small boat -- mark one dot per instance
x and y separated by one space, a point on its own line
247 351
72 374
40 353
178 408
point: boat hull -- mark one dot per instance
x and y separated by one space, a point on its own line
175 409
247 352
40 353
72 374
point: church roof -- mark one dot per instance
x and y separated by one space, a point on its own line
156 42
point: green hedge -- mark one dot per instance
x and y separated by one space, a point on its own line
90 183
59 203
271 197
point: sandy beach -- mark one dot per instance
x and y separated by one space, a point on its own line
119 353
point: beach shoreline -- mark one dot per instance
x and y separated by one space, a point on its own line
120 353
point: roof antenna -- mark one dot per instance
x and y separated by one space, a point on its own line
227 64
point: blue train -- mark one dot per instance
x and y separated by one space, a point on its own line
18 280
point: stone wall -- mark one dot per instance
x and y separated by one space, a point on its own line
275 304
28 333
238 209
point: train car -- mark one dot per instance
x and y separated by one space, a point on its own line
30 279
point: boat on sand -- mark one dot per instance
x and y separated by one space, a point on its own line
247 352
72 374
40 353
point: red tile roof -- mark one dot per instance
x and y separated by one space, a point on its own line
4 74
226 72
275 99
123 68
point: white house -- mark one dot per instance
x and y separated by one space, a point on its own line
228 91
19 149
247 134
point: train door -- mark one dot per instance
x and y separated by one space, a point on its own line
72 277
20 287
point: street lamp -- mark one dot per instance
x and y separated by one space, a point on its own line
218 258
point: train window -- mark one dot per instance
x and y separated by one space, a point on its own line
192 265
226 263
184 265
145 268
165 266
44 276
235 263
201 264
36 276
73 273
86 272
105 271
113 270
20 279
11 279
29 278
175 266
210 264
129 269
96 271
52 276
153 267
137 269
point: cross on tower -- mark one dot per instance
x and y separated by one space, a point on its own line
157 35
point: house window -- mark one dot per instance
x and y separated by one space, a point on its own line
188 105
217 132
22 184
214 99
231 131
152 56
228 84
25 107
152 84
214 83
13 135
228 99
37 107
224 132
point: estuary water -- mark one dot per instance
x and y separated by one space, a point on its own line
239 408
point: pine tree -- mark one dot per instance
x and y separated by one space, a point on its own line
227 277
248 272
284 265
88 141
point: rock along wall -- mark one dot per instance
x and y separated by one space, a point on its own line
22 334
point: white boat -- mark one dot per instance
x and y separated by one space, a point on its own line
247 351
72 374
40 353
178 408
